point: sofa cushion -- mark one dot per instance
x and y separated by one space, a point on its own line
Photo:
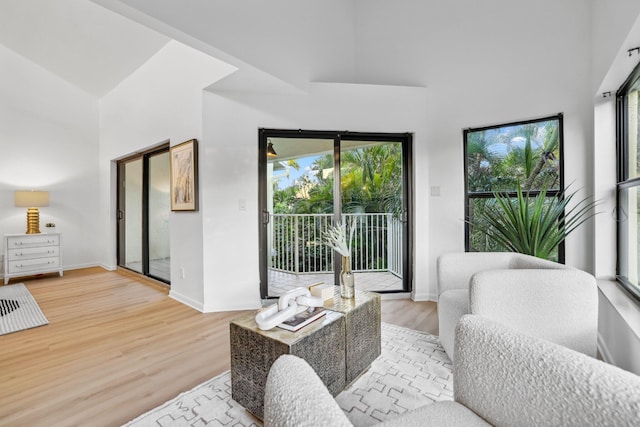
559 306
513 379
455 269
452 305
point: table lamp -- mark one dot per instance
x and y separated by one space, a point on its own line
32 200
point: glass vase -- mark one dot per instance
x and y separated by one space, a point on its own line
347 279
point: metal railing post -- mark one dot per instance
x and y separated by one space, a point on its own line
296 250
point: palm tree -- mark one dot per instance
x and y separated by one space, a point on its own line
546 154
479 162
371 181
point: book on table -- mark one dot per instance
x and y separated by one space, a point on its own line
303 318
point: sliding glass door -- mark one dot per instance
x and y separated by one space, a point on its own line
310 180
130 215
143 214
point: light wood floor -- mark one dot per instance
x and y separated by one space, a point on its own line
117 346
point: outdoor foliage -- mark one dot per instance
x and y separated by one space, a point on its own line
532 225
503 162
371 183
498 159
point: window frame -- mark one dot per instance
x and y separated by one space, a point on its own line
489 194
406 139
623 182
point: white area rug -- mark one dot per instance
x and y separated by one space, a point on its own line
413 370
18 309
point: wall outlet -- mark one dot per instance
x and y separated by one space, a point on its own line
182 273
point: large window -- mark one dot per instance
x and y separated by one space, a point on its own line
628 135
499 158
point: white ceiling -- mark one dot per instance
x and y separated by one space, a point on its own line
296 148
79 41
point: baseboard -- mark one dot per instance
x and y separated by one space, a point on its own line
81 266
395 295
425 296
108 267
232 307
197 305
73 267
188 301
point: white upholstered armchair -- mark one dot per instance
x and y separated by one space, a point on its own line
501 378
535 296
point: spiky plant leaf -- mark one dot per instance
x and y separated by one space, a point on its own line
533 225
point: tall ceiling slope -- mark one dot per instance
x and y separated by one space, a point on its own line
79 41
614 35
296 41
624 62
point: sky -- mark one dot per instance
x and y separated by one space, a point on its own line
305 166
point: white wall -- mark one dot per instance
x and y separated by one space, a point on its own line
604 179
484 63
49 140
619 316
232 121
161 101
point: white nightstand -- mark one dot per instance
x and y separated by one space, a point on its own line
29 254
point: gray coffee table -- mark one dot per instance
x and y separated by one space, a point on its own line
339 346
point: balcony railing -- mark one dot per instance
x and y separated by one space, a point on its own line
296 243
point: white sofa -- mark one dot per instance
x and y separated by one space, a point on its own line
532 295
502 377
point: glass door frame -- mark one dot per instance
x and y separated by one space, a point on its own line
406 140
121 208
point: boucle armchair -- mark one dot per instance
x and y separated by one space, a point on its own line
501 377
542 298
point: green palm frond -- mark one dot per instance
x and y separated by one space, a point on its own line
533 225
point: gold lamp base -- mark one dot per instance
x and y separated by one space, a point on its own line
33 221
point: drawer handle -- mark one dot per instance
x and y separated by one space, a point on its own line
33 243
34 265
36 253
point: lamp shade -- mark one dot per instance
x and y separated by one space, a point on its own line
31 199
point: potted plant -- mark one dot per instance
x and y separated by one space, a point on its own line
50 227
336 238
533 225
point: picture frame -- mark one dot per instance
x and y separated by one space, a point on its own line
184 176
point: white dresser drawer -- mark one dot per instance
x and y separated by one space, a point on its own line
31 241
33 252
34 265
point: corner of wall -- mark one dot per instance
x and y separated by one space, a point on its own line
618 327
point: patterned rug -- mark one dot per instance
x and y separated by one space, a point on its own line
18 309
413 370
